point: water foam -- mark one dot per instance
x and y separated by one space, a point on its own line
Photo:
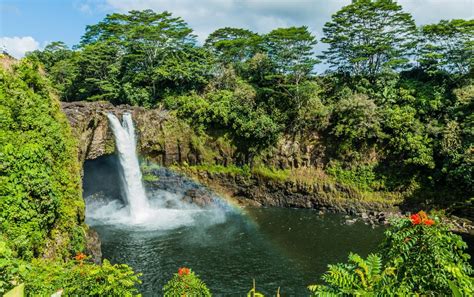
160 210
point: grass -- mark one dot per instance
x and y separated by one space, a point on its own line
148 177
271 173
232 169
307 176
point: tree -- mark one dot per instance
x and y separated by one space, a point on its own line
98 73
448 45
157 50
233 45
53 52
290 52
60 64
356 124
291 49
369 36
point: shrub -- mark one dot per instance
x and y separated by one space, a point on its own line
75 277
185 283
427 257
80 278
359 277
419 256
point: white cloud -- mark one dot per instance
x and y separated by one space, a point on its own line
262 16
18 46
432 11
204 16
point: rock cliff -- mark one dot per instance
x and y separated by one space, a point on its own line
167 140
161 136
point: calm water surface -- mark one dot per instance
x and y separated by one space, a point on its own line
227 248
287 248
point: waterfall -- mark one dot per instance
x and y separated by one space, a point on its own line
131 176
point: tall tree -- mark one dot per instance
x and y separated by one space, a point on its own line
291 49
368 36
233 45
52 53
291 52
98 73
59 62
448 45
159 52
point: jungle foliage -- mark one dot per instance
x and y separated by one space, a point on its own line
397 98
419 256
42 230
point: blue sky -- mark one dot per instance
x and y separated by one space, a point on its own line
28 25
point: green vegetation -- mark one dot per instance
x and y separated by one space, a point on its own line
418 257
42 218
393 112
40 192
362 177
76 277
271 173
185 283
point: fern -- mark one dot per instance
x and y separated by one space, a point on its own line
358 277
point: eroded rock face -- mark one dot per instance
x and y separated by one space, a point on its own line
161 136
256 191
93 246
90 126
167 140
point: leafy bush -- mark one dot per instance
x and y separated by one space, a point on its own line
185 283
419 256
40 182
76 277
11 270
427 257
79 278
363 177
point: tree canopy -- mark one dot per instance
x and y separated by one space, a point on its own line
395 104
367 37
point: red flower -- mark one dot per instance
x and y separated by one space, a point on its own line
415 219
183 271
421 218
80 257
429 222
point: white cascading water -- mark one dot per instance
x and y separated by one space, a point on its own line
131 175
147 212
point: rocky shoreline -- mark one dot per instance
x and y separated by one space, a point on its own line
255 192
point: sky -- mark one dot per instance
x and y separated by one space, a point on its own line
29 25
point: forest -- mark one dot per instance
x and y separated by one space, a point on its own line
392 112
395 103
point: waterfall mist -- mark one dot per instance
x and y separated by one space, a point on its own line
123 201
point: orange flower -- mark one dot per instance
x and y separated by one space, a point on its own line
429 222
423 215
80 257
415 219
421 218
183 271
